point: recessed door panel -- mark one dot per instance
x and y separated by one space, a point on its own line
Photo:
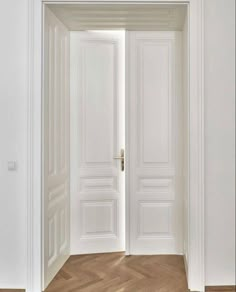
154 101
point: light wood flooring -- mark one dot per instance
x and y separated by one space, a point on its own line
12 290
115 272
221 289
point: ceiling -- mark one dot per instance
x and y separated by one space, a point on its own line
120 16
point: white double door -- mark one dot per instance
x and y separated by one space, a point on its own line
143 75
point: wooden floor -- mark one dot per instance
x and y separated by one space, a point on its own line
221 289
12 290
116 273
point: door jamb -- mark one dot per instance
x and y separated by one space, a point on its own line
196 265
127 151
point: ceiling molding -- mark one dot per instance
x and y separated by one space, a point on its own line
123 16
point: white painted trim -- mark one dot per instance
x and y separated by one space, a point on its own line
34 147
196 265
186 266
33 281
116 2
127 150
30 247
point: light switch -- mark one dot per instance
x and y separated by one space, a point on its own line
12 165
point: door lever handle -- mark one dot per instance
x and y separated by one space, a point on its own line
122 159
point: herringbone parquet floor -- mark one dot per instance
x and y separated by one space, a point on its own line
116 273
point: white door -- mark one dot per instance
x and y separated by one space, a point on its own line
56 239
155 150
97 136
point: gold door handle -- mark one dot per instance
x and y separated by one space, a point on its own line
122 159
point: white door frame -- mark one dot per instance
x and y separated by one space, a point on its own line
196 263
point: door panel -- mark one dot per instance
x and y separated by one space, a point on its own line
97 130
155 143
55 147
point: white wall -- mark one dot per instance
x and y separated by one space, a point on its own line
13 94
219 142
220 129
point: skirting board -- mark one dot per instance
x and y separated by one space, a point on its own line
186 265
220 289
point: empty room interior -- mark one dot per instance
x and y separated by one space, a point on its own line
115 146
117 153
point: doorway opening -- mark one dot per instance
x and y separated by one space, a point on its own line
115 79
